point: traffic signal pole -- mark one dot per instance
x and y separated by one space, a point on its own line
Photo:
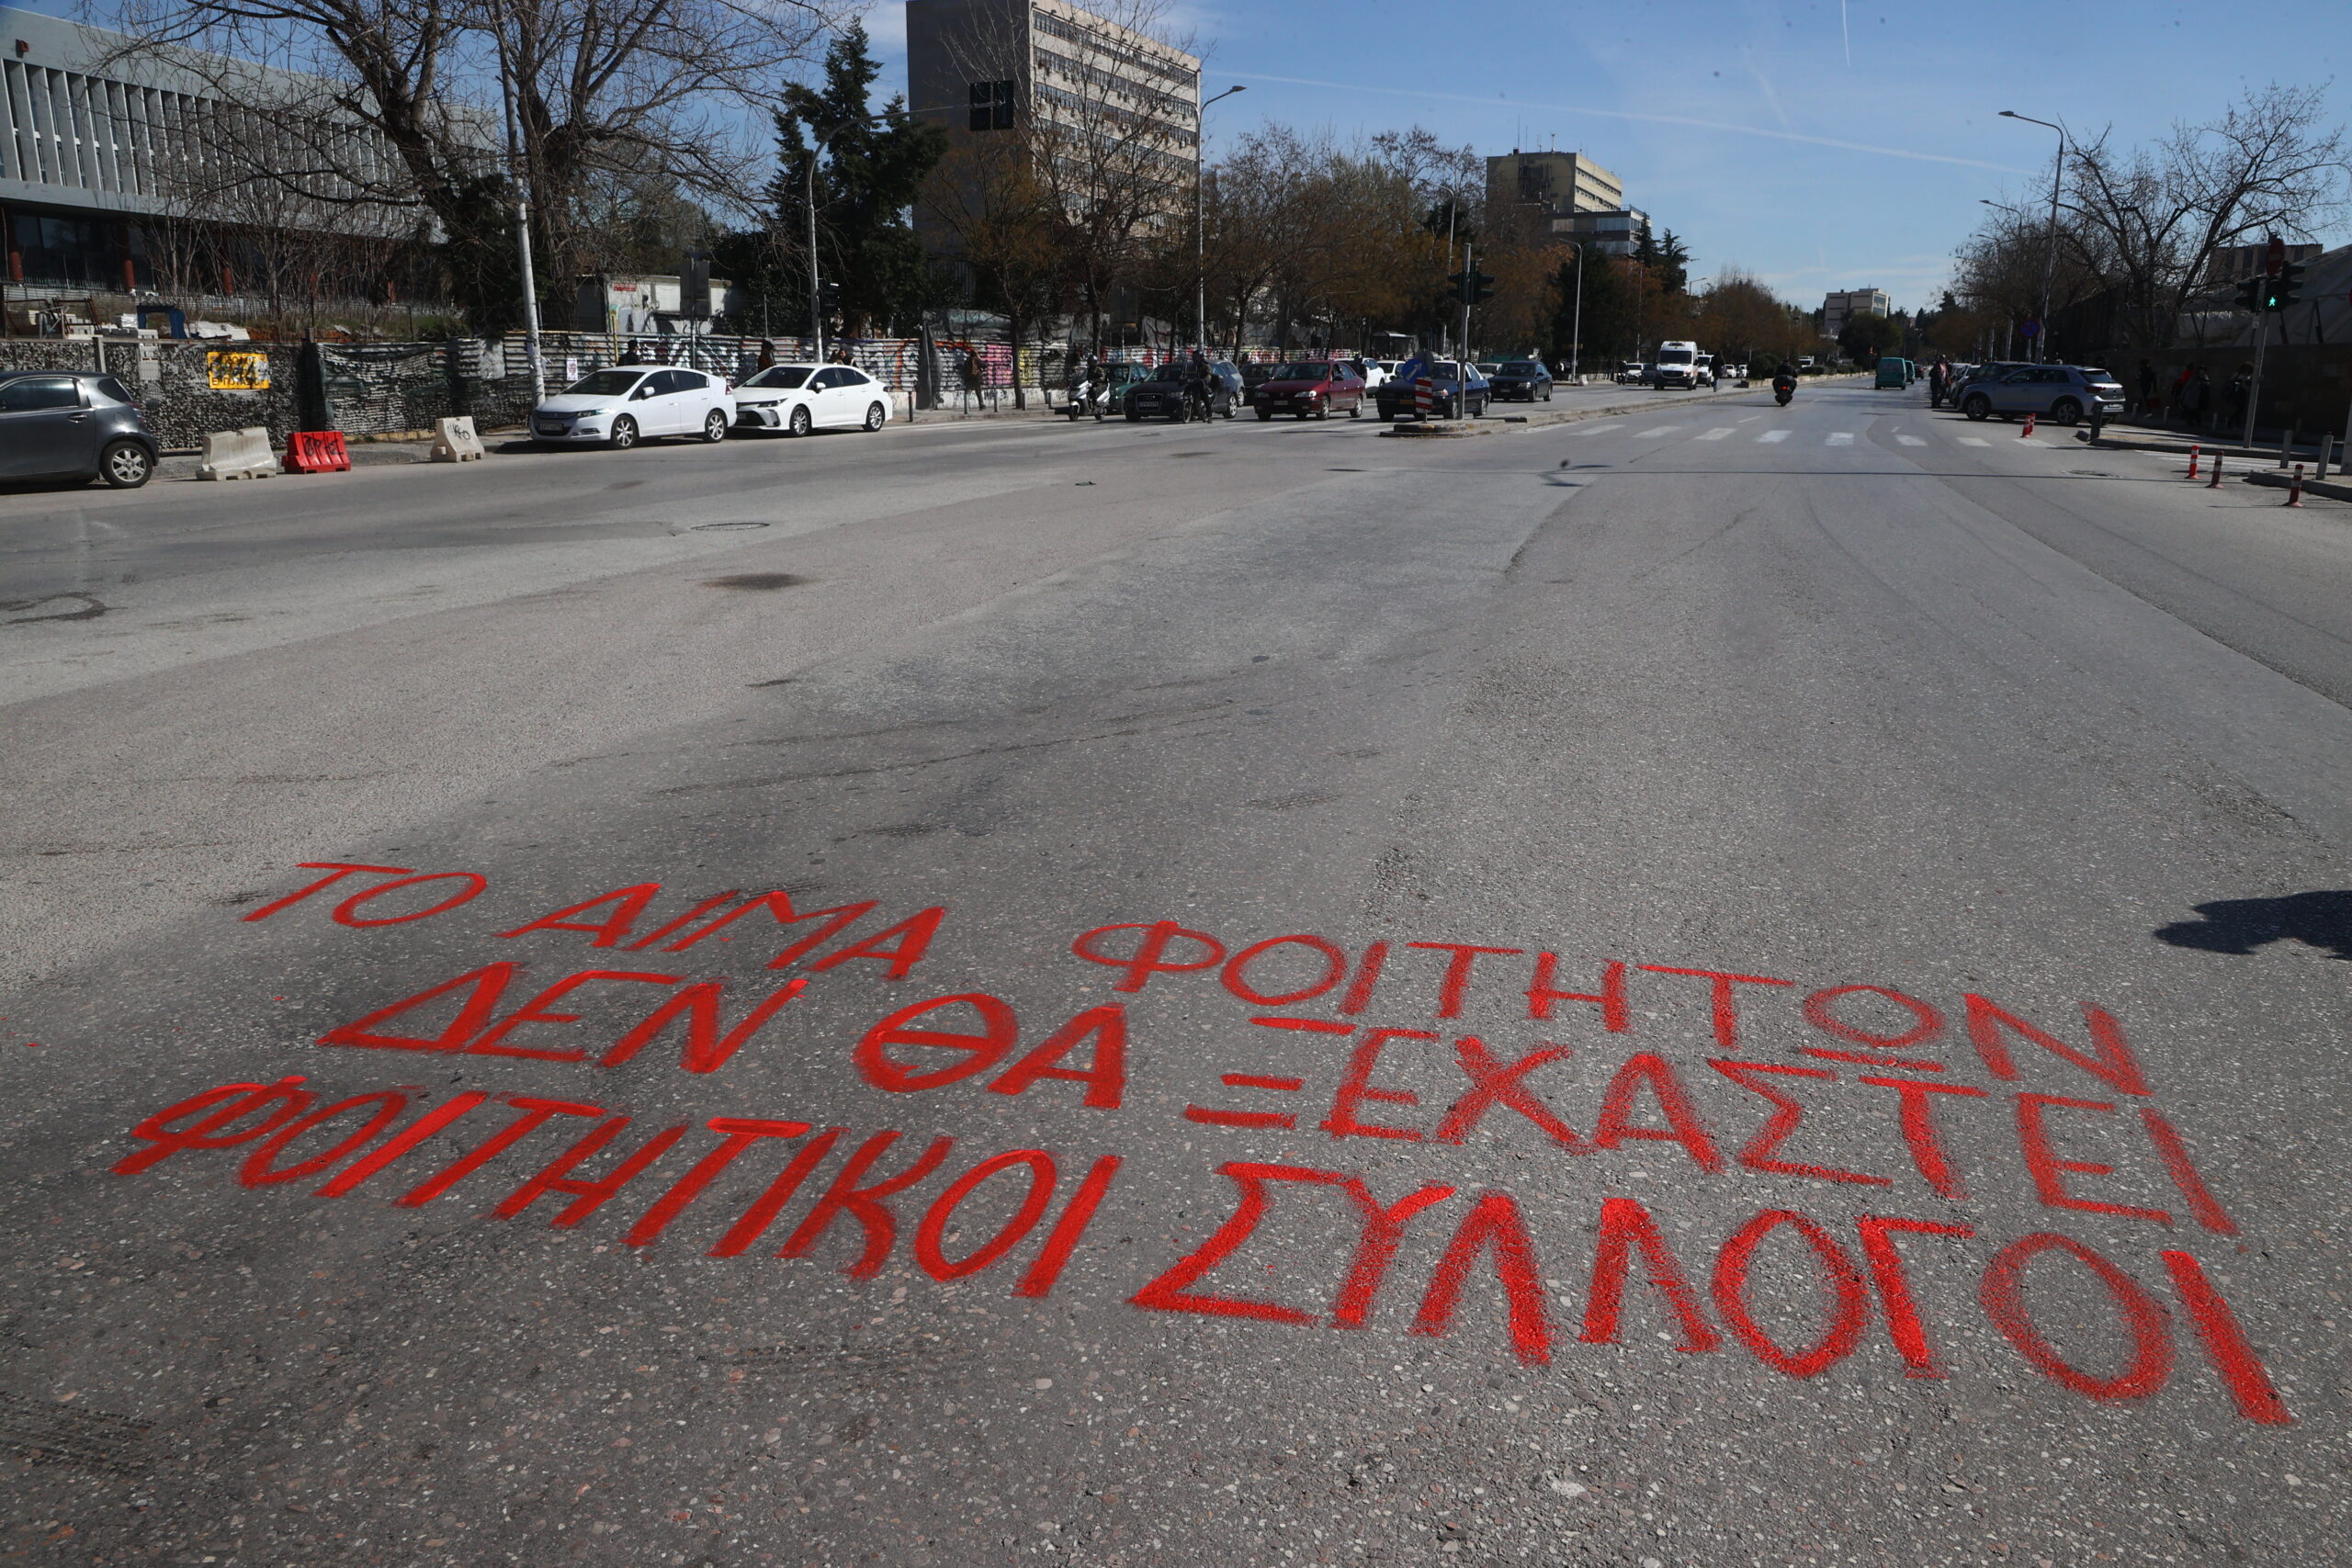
1469 287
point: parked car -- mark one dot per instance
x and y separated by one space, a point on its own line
2062 393
1162 396
1458 390
1524 380
798 399
73 424
628 403
1630 370
1310 389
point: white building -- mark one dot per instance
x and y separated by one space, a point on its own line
1839 307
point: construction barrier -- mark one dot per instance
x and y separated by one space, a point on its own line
2027 432
316 452
457 442
1424 398
237 455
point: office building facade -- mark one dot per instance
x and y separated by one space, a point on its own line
1840 307
1566 196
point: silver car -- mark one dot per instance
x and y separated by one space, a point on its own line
2061 393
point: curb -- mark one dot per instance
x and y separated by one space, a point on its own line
2180 448
2311 487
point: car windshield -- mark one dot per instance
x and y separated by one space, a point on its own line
783 376
1674 356
1518 368
1170 374
1305 370
604 383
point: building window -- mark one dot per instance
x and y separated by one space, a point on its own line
992 105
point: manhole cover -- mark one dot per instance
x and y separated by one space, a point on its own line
712 527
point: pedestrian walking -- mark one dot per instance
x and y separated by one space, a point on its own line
2240 391
2148 404
1938 381
2196 397
969 370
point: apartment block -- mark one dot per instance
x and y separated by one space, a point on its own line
1840 307
1059 78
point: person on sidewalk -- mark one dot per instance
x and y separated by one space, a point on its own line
969 372
2240 392
1938 381
2148 404
2196 397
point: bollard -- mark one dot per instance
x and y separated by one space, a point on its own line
2193 449
2327 441
2215 482
2027 433
2295 488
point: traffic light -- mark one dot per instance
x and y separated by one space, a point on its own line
2250 291
2288 286
829 297
1473 287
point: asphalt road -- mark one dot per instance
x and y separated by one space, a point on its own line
1811 1031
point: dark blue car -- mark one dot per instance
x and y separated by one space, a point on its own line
1457 389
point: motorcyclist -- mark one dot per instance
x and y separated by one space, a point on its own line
1784 383
1196 384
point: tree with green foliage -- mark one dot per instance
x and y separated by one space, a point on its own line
867 171
1866 339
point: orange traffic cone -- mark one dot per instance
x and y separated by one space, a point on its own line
2295 489
2028 431
2192 459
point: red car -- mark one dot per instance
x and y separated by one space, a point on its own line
1310 389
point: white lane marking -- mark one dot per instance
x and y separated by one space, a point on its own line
1715 434
1597 429
1911 441
1839 438
1661 430
1772 436
1971 441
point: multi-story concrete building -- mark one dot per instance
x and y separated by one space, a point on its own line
101 148
1568 196
1064 80
1840 307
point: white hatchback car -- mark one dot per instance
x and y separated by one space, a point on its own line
802 398
628 403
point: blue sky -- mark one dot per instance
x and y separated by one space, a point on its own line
1861 136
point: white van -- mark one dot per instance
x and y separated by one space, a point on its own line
1677 366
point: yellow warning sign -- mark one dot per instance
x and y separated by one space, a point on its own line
231 372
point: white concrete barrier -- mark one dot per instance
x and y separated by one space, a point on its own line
456 441
237 455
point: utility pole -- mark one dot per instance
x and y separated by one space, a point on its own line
816 294
2274 261
1576 329
1469 270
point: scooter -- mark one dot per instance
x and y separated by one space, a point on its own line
1084 399
1783 394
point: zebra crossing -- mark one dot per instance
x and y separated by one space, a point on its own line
1777 435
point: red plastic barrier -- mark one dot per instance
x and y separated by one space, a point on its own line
316 452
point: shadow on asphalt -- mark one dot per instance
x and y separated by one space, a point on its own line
2241 925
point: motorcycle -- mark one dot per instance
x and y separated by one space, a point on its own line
1782 393
1084 399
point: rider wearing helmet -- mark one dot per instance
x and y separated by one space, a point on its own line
1196 382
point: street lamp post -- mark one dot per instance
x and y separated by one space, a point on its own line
1200 218
517 172
1576 327
2050 260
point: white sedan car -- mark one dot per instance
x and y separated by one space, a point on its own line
802 398
628 403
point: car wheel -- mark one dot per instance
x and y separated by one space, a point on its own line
1547 394
624 435
714 427
800 423
1232 410
1978 407
874 414
1355 409
1264 415
1133 418
2066 411
125 464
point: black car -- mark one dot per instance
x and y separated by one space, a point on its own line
1457 389
1162 396
1523 379
73 424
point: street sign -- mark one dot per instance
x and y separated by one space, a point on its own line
2031 329
2274 255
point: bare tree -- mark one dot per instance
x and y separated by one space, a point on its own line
416 99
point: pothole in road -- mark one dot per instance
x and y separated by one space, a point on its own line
711 527
756 581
